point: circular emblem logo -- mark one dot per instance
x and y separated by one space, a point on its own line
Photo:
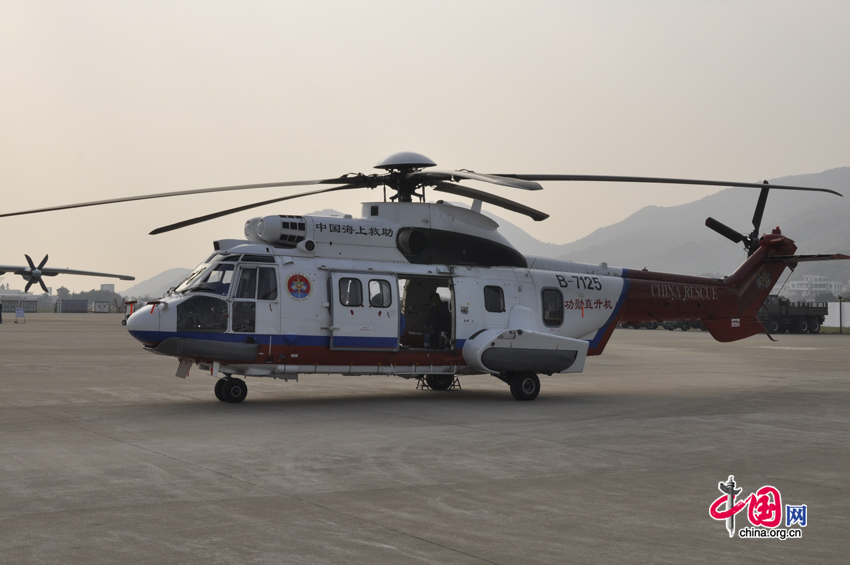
763 281
298 286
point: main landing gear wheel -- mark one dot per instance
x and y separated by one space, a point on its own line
218 385
233 390
440 382
525 386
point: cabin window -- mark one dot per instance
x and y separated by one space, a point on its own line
350 292
553 307
494 299
202 314
380 295
267 284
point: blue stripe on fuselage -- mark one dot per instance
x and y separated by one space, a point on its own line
283 339
601 332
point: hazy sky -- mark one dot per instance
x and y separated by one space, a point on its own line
117 98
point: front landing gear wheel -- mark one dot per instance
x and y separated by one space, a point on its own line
234 390
218 385
525 386
440 382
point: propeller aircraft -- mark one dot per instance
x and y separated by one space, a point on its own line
33 274
428 290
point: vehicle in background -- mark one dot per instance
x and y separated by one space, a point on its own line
647 325
780 315
130 307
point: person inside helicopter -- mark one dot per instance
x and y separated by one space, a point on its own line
439 321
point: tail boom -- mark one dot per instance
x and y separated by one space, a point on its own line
727 307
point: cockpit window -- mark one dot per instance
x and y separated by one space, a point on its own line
216 281
187 282
247 283
202 314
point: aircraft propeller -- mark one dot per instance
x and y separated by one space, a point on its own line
33 274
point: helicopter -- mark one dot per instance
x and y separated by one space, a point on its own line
33 274
428 290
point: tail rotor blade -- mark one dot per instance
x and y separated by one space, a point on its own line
724 230
29 260
40 265
757 216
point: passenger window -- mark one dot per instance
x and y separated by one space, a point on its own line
350 292
380 295
553 307
267 284
247 283
494 299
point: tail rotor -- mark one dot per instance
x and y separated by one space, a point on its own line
751 241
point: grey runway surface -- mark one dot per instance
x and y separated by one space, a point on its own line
105 457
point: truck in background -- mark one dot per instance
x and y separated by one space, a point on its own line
780 315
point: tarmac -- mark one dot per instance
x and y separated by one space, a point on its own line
105 457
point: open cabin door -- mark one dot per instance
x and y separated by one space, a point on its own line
364 308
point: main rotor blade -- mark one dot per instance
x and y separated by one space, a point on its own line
364 180
659 180
43 261
438 176
215 215
724 230
29 260
461 190
52 272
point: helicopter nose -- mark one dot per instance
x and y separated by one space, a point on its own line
143 324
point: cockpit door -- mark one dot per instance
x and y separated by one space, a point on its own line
255 303
364 307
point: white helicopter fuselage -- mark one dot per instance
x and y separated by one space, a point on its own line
352 296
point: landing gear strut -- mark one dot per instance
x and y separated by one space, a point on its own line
230 389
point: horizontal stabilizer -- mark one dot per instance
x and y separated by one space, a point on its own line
804 258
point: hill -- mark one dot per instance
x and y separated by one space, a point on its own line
675 238
157 286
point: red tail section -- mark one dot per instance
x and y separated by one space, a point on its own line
727 307
751 284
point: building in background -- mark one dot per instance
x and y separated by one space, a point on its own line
812 286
